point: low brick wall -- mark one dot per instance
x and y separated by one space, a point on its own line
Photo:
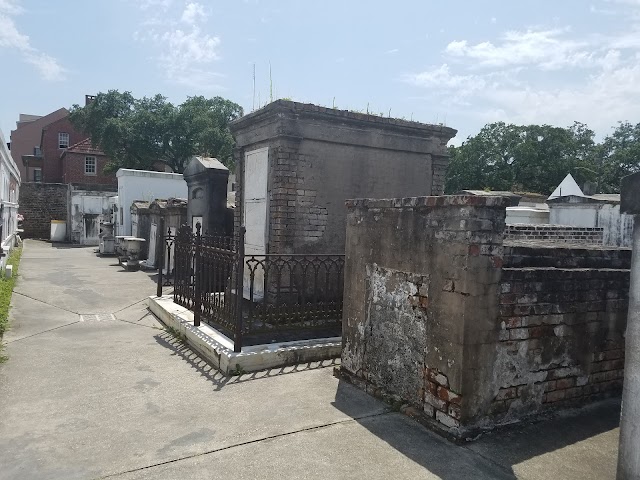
561 337
39 204
555 233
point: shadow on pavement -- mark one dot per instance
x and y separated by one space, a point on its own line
65 246
208 371
518 443
505 447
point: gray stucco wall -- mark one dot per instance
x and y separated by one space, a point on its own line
421 287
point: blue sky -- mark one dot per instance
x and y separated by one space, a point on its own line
461 63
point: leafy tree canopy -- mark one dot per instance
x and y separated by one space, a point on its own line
535 158
136 133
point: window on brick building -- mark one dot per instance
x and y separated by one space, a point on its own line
63 140
37 175
89 165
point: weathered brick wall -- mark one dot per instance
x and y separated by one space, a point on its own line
439 165
421 287
555 233
297 221
562 319
39 204
469 331
320 157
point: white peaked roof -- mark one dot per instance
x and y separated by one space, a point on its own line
568 186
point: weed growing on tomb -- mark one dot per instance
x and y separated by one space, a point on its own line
6 289
176 334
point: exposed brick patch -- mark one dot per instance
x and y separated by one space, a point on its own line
440 400
555 233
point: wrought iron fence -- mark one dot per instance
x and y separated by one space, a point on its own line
255 299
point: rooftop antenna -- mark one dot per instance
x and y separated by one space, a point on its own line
270 84
254 86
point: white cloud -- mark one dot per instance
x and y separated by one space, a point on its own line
48 66
193 13
441 77
616 93
10 7
11 38
184 52
552 76
545 48
185 48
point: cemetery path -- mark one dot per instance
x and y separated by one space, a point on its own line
95 388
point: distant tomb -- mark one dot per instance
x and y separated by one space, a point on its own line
207 181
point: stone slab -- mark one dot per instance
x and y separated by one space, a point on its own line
218 349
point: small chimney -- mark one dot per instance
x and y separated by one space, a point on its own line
88 99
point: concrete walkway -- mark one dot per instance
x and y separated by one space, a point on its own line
114 396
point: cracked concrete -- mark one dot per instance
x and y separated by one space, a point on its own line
123 399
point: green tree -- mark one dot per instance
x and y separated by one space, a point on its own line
618 155
136 133
532 158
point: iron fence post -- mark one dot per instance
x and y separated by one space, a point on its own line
237 341
161 257
196 283
169 243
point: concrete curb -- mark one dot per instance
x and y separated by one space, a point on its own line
217 349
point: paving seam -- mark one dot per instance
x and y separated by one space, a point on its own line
248 442
48 304
139 324
40 333
134 303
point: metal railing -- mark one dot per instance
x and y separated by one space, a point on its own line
254 299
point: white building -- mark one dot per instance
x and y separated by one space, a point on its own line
9 193
143 185
568 205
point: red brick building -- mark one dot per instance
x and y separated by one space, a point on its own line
83 163
57 137
25 141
